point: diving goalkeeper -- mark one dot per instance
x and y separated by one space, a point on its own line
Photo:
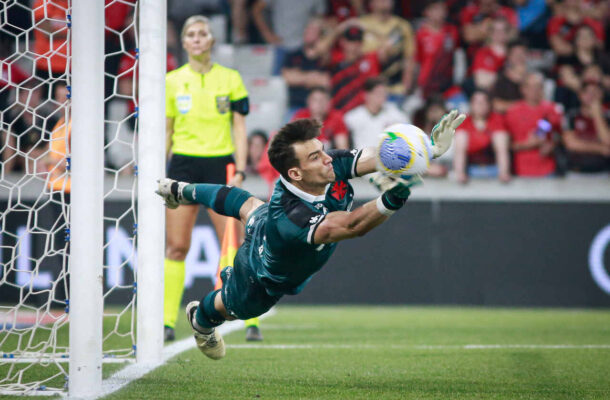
290 238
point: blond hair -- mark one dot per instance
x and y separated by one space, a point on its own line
193 20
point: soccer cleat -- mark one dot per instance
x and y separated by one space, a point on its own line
168 334
253 334
211 344
171 191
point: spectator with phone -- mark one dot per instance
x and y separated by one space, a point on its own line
532 124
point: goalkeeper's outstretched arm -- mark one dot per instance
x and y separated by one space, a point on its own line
341 225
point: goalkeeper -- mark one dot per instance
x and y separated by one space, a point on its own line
290 238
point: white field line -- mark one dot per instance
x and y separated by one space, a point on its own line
132 372
419 347
49 360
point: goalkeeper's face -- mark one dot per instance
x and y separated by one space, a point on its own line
315 166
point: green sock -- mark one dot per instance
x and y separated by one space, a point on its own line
252 322
174 287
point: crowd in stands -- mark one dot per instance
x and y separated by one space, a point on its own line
533 76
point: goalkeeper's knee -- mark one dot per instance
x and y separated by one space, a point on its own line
225 200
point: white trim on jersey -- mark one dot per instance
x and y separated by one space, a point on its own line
310 198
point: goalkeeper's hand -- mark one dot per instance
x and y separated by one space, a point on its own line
442 133
397 186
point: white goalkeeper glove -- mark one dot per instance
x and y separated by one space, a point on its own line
443 131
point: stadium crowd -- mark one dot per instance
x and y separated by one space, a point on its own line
533 75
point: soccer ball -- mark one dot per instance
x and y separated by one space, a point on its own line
404 149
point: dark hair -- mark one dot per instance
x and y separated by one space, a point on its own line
260 133
372 83
518 42
320 89
429 3
483 92
281 151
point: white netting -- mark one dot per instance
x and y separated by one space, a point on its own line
34 190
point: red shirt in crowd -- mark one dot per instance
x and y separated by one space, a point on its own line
559 25
434 54
486 59
347 80
51 52
479 140
521 121
11 74
332 126
341 10
116 14
583 126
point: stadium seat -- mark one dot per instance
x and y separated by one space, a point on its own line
249 60
266 115
224 54
254 60
266 88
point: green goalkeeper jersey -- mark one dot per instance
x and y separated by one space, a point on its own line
279 244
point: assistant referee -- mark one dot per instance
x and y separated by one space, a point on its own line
206 105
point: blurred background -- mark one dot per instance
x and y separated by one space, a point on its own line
517 213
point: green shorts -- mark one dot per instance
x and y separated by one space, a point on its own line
242 293
243 296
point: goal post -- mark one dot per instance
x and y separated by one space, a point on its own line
87 199
151 165
81 229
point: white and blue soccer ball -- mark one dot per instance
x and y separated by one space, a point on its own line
403 149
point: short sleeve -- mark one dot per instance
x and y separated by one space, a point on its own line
344 163
339 128
170 103
238 89
556 116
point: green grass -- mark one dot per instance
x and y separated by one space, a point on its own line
376 353
379 353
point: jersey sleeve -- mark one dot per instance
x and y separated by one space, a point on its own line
344 163
170 103
299 224
238 89
239 95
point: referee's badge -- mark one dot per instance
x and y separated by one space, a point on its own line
223 104
184 102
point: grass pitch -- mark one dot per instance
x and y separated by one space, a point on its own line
399 353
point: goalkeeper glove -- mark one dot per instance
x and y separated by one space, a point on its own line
396 191
443 131
399 187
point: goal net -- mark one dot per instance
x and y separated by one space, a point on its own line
36 221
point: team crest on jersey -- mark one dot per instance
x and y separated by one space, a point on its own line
339 190
223 104
184 102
